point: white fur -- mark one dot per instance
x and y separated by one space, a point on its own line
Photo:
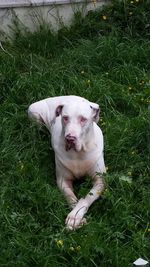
85 158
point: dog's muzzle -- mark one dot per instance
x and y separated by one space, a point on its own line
70 142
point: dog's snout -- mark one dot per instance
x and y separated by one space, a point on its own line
70 138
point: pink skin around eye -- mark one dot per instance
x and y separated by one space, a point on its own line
65 119
83 120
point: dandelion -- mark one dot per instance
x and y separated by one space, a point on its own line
105 191
130 13
21 165
88 82
104 17
78 248
131 2
129 173
82 72
99 193
141 82
71 249
60 243
136 1
129 88
148 230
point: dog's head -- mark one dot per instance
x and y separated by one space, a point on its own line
77 122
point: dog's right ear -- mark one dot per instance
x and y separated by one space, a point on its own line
96 110
58 110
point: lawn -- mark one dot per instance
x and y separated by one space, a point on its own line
105 58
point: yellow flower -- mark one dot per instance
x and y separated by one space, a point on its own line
130 13
129 88
78 248
131 2
104 17
88 82
148 230
129 173
21 165
137 1
98 193
105 191
82 72
72 249
60 243
133 152
142 82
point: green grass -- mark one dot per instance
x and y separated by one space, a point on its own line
103 62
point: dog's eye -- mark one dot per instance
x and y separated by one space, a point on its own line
83 120
65 119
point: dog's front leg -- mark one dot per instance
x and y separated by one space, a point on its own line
76 217
96 191
65 186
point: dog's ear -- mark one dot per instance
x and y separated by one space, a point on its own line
96 110
58 110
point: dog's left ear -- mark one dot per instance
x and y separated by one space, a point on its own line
96 110
58 110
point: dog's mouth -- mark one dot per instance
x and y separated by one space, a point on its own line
70 145
76 146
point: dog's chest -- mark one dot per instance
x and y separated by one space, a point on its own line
79 167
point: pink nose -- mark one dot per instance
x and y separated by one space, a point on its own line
70 139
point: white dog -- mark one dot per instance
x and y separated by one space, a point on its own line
78 144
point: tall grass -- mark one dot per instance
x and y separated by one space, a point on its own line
104 59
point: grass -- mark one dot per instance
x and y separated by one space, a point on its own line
106 61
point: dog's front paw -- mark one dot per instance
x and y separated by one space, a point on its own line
75 218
